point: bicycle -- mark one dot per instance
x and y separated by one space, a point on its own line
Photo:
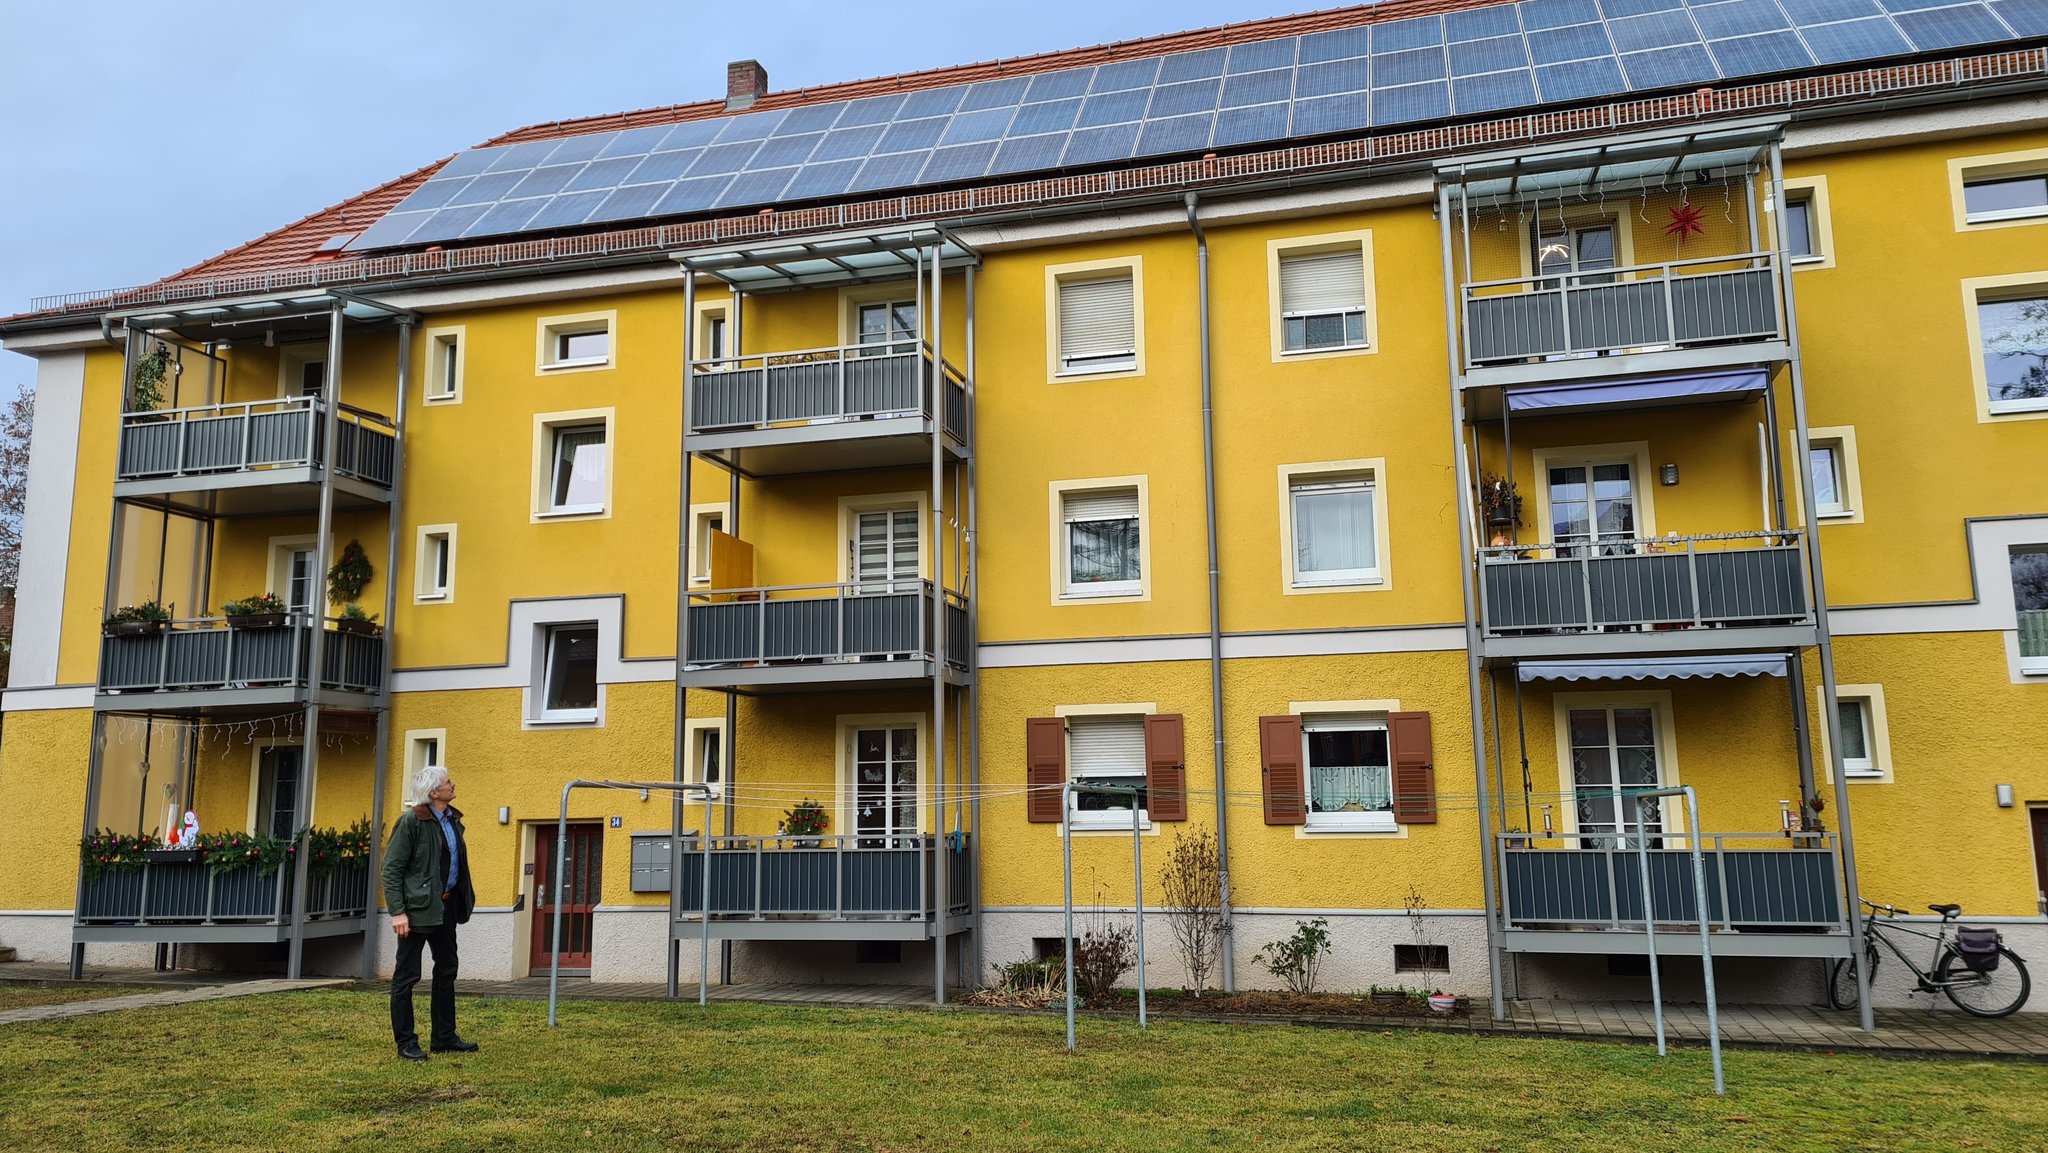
1994 994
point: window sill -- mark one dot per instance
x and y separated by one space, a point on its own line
1809 258
2004 407
2007 216
568 511
2033 668
1287 352
428 598
434 398
1102 593
1343 583
585 718
1837 514
1098 370
580 362
1111 828
1866 775
1326 829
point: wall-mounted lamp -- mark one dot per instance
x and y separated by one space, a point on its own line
1546 821
1667 474
504 814
2004 796
1785 816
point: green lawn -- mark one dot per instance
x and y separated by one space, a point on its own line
314 1070
27 994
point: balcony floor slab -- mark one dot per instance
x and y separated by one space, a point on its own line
1698 358
827 446
1676 942
1651 642
821 677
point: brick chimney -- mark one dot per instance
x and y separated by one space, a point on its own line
745 82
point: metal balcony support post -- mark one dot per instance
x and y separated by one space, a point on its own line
316 649
937 635
1830 712
393 519
686 535
971 647
1468 542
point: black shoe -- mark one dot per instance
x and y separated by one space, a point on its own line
455 1045
410 1051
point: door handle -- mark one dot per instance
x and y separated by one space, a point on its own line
542 898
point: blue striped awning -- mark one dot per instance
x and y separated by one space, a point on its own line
1661 668
1680 388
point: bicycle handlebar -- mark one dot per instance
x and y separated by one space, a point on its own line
1887 910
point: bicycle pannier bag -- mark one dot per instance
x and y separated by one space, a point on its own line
1978 948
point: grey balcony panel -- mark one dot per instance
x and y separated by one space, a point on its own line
1619 315
365 452
956 411
883 881
189 658
724 631
725 399
1728 579
803 392
353 662
1513 326
1752 584
224 439
816 878
1533 594
959 645
883 624
112 896
274 438
959 878
1639 589
1724 306
149 449
1602 888
172 890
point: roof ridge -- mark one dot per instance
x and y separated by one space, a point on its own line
1371 12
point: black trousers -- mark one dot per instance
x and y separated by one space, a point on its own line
441 1003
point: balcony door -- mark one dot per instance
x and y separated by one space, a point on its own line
577 892
277 790
885 786
1613 750
1593 504
886 327
883 551
1574 254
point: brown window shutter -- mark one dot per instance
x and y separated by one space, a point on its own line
1166 768
1045 768
1280 770
1414 768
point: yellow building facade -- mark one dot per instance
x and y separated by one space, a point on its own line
1399 517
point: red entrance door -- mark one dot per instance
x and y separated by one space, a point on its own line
2038 817
578 893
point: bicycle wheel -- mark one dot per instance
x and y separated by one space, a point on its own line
1842 980
1995 994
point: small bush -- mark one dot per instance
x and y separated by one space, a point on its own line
1298 959
1101 958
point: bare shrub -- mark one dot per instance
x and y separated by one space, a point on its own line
1192 883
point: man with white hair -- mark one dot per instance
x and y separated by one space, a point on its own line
427 892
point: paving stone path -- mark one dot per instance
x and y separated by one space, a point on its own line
181 994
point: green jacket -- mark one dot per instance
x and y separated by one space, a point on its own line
416 870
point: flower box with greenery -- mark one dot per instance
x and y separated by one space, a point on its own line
105 851
806 822
144 620
354 620
329 850
350 575
266 611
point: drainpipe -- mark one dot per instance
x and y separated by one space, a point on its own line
1228 939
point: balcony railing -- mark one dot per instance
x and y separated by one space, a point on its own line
2034 636
824 878
1771 881
1724 579
822 385
211 654
254 436
179 888
793 624
1679 302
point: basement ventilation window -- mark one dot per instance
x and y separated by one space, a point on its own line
1422 958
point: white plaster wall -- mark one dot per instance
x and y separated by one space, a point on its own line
46 519
45 938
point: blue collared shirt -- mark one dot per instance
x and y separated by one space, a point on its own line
454 850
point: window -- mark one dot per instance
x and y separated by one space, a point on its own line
1804 231
423 747
277 791
1593 503
1799 228
1102 544
2013 340
1853 716
1322 300
1562 249
1095 310
436 572
714 338
1333 521
569 688
709 524
2030 600
1106 750
1611 751
1350 771
299 580
1830 486
2005 197
444 365
886 327
302 370
885 796
580 341
572 463
1422 958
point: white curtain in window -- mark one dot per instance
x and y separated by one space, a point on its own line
1322 282
1333 528
1097 318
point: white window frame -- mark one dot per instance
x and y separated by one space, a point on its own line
424 747
705 519
292 362
1058 369
447 350
1642 478
429 584
547 427
553 330
1378 821
846 794
1109 821
1811 192
1984 290
1281 250
1877 737
543 689
1841 440
1964 171
1658 701
704 737
2028 666
279 571
1372 472
1064 591
258 819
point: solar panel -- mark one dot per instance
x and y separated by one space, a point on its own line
1261 93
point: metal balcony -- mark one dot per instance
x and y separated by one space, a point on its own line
874 635
254 457
1768 894
211 663
176 896
819 888
1671 594
825 409
1681 315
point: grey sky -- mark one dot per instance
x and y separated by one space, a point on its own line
137 139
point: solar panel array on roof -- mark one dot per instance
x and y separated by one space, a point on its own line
1476 62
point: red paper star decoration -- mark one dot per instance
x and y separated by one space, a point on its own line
1685 221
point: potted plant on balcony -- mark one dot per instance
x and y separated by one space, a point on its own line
265 611
805 822
144 620
354 620
1499 501
151 368
350 574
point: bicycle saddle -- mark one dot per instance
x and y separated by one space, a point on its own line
1946 910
